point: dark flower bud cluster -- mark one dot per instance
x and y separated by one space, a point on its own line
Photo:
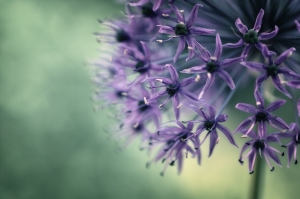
170 68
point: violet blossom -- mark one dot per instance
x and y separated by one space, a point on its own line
213 65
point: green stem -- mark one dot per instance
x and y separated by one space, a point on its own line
258 179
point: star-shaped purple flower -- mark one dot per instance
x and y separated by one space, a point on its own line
252 37
272 69
184 30
261 115
213 65
210 123
174 88
294 135
260 145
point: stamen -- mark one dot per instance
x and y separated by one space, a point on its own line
197 78
217 141
159 80
145 100
244 136
179 105
190 48
161 106
135 125
165 15
181 11
125 51
258 103
160 41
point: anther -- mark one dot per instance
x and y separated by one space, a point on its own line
241 161
172 163
251 172
125 51
135 125
283 146
197 78
273 168
217 141
258 103
179 105
165 15
160 41
145 100
282 154
296 161
247 143
162 174
190 48
160 106
159 80
244 136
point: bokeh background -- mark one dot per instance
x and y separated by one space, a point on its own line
53 145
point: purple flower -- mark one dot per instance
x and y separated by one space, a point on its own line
213 65
175 146
174 88
294 135
260 144
210 123
261 115
252 37
272 69
184 30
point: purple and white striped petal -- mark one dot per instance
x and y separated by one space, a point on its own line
205 54
166 30
248 108
254 66
234 45
177 13
260 102
156 4
218 50
188 94
213 137
278 85
246 50
260 79
200 31
258 21
226 77
270 35
139 3
187 81
195 69
146 51
193 15
180 48
222 118
211 112
228 62
209 82
289 73
284 55
275 105
243 125
278 123
173 73
227 133
251 159
163 80
191 47
292 151
262 129
240 26
294 83
270 151
298 25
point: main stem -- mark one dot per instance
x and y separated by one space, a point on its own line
257 180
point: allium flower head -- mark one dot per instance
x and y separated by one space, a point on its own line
213 65
184 30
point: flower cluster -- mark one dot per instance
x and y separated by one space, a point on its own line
172 68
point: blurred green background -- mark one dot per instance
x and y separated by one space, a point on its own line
52 143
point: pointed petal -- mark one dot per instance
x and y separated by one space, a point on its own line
205 54
260 102
234 45
191 47
291 148
271 153
289 73
166 30
246 50
187 81
175 101
258 21
246 108
244 124
260 79
240 26
209 82
229 62
173 73
284 55
278 122
294 83
139 3
251 160
195 69
211 112
244 148
146 50
156 4
218 50
177 13
275 105
226 77
262 129
180 48
163 80
212 142
298 25
222 118
193 15
278 85
189 95
201 31
227 133
254 66
270 35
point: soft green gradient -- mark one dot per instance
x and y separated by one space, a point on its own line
52 144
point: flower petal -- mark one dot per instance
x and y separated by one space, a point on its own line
275 105
244 124
222 118
212 142
205 54
189 95
156 4
227 133
201 31
270 35
191 47
278 85
242 28
298 25
289 73
187 81
251 160
180 48
262 129
139 3
175 101
173 73
218 50
177 13
166 30
246 108
284 55
278 123
195 69
209 82
229 62
226 77
254 66
258 21
294 83
193 15
146 50
291 149
234 45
